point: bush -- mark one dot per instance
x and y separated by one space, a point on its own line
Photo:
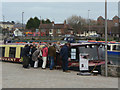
117 39
97 39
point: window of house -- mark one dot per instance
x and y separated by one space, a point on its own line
2 51
51 31
116 24
117 35
58 31
12 52
42 30
37 30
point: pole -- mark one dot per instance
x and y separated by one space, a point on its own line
3 29
3 18
3 21
88 23
22 20
106 69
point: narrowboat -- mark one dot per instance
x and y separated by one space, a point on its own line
12 52
113 50
94 52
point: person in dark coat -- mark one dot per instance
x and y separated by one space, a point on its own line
25 55
69 50
32 50
64 56
5 40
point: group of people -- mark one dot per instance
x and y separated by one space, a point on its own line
35 56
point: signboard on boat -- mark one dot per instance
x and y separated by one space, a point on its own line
83 62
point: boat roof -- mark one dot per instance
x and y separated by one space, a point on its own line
99 42
72 44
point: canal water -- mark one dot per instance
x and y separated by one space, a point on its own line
114 59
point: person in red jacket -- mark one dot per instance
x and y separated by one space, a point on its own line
44 56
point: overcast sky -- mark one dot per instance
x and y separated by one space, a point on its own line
57 11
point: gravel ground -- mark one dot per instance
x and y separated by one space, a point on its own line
14 76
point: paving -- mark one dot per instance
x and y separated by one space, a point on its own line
14 76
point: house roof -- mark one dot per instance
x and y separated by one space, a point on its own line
54 26
116 17
6 23
100 17
19 25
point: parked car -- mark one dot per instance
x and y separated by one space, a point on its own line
97 35
69 39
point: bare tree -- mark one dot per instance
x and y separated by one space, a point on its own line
77 22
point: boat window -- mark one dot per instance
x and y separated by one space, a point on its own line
101 51
73 53
2 51
114 47
108 47
21 52
12 52
118 47
92 52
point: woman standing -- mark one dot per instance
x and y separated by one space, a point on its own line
35 57
44 56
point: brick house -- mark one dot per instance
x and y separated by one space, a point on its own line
99 28
7 25
113 26
55 29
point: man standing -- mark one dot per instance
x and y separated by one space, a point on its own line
52 55
25 55
64 56
32 50
5 40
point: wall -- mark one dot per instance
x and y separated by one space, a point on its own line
113 70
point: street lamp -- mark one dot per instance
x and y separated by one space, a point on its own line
106 67
88 22
3 22
22 20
